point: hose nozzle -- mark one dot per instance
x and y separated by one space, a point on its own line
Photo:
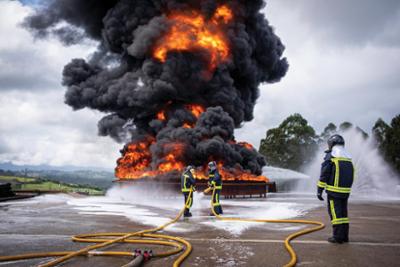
207 190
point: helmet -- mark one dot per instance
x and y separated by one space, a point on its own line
335 140
189 168
212 165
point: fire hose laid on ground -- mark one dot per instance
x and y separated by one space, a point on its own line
289 248
103 240
150 237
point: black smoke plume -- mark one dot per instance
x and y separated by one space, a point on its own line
123 80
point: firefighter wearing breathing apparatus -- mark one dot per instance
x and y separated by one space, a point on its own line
215 181
187 185
337 175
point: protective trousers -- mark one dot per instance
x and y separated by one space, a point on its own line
337 209
215 202
188 201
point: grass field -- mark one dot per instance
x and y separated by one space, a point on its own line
37 184
16 179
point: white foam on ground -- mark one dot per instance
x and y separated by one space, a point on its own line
45 199
156 211
259 210
112 207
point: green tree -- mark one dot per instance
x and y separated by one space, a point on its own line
387 138
291 145
392 145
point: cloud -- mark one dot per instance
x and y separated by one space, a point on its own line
338 71
36 127
26 63
344 59
356 22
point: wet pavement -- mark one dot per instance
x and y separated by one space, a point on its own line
46 223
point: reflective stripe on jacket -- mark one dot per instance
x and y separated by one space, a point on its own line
187 181
214 178
337 176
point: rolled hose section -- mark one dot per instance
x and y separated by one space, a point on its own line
288 246
179 244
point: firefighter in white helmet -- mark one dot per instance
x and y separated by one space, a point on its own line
337 175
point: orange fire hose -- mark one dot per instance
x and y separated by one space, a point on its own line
289 248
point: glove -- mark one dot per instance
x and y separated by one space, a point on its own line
319 196
194 189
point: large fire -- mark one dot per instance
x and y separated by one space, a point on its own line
191 31
136 161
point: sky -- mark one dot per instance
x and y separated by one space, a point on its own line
344 61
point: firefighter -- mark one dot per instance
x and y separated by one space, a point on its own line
337 175
187 185
215 181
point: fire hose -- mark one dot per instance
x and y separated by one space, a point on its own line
288 246
103 240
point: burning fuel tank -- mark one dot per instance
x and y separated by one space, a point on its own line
171 186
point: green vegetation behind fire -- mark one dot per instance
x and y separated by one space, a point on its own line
43 185
294 143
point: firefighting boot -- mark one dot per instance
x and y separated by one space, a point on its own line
187 213
346 233
334 240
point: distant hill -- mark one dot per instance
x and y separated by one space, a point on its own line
8 166
91 176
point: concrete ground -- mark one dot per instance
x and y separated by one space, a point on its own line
37 226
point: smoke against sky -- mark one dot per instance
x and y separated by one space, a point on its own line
173 58
341 69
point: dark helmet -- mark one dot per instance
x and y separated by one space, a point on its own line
212 165
189 168
334 140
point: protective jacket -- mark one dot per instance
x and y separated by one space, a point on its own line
337 175
187 181
214 179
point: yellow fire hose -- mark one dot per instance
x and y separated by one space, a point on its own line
289 248
151 238
106 239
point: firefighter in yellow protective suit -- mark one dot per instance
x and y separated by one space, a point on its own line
337 175
215 181
187 186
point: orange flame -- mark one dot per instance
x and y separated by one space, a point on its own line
136 159
161 115
196 110
231 174
135 163
246 145
191 31
223 13
170 161
243 144
187 125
